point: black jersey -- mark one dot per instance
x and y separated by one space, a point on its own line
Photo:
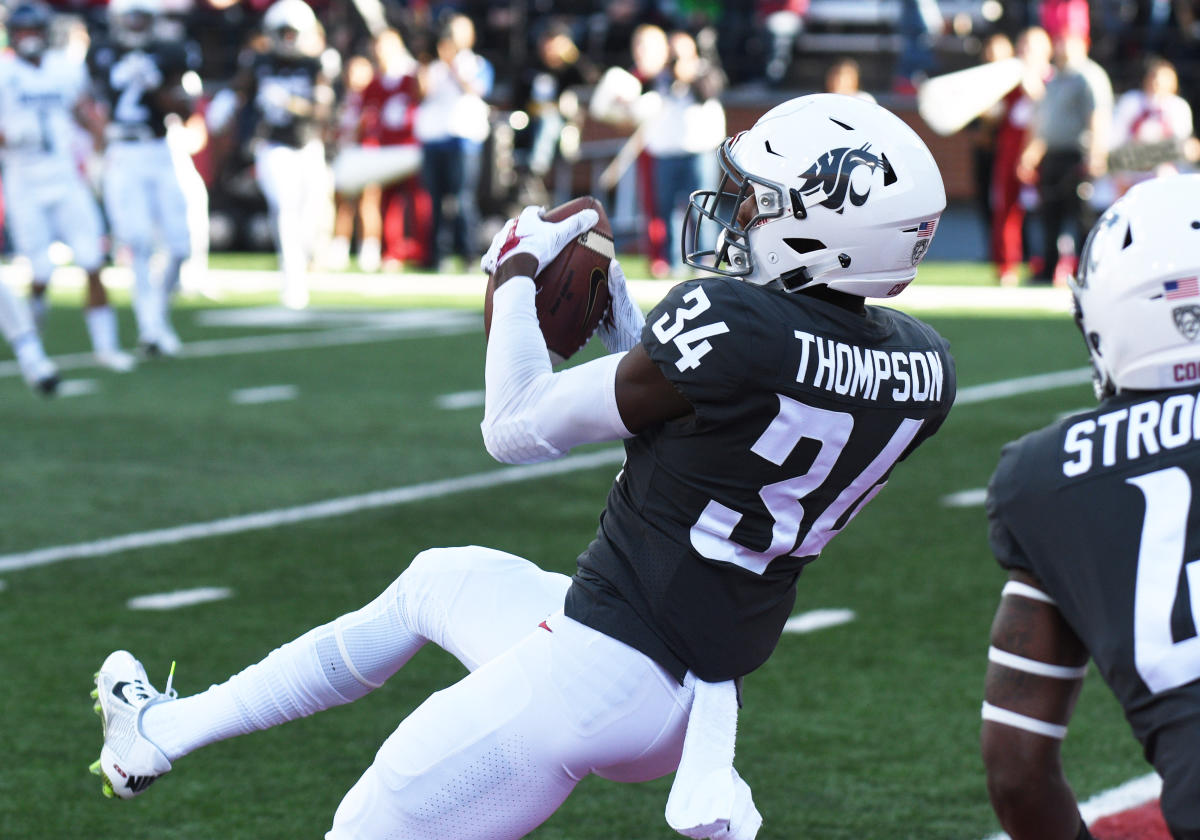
802 408
274 80
1099 507
127 79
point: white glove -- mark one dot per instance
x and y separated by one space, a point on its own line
621 329
530 234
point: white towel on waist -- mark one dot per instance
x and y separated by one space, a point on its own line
708 799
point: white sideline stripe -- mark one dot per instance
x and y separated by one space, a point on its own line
271 343
1134 793
965 498
263 394
1035 666
807 622
1022 385
460 400
304 513
179 598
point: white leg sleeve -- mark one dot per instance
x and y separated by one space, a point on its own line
532 413
473 602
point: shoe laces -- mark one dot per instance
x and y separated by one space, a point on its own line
142 690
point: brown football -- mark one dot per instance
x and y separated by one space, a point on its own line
572 289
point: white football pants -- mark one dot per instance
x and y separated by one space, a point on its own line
547 702
144 199
41 213
298 189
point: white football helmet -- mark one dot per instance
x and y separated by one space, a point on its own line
28 28
1137 293
289 25
131 22
844 194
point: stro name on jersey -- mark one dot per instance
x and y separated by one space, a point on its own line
851 370
1127 434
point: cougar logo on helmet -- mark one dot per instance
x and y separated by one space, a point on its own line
832 172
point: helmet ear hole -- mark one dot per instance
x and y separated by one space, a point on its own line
804 246
1094 341
1128 237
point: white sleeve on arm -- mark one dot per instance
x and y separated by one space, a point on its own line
530 412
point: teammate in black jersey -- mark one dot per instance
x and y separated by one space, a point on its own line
287 88
762 407
1095 520
145 82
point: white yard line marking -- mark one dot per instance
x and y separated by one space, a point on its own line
1022 385
460 400
305 513
1135 792
179 598
807 622
965 498
77 387
264 394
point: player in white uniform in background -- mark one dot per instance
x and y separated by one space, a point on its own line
16 324
146 83
42 97
288 88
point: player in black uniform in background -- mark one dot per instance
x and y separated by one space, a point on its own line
287 86
762 407
1094 517
144 83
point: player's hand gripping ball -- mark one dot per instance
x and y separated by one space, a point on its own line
572 285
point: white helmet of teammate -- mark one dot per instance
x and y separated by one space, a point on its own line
844 195
1137 293
131 22
289 25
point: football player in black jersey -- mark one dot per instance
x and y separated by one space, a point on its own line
761 406
1094 518
145 83
287 86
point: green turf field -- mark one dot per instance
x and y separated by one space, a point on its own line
865 730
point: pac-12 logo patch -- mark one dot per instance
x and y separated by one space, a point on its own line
1187 321
833 175
919 250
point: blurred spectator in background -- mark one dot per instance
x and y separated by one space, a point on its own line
452 125
984 130
354 204
784 21
1060 17
1152 130
920 22
1068 147
685 124
398 204
286 84
843 77
1004 191
548 117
